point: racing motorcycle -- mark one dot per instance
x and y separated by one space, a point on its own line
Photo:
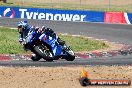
48 48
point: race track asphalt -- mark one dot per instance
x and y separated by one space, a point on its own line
112 32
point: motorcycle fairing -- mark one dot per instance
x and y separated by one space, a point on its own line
56 48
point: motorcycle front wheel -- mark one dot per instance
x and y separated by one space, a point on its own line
70 55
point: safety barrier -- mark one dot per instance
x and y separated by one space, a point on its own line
118 17
66 15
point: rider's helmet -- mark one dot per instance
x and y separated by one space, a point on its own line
22 25
36 28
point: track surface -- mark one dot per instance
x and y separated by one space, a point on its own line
126 60
112 32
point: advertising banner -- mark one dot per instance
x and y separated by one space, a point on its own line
118 17
128 17
52 14
66 15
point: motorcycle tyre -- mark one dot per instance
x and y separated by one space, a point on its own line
38 52
35 58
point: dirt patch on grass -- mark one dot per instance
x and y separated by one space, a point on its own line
111 45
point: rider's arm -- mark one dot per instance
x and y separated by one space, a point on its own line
20 38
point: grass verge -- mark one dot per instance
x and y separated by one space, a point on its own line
9 42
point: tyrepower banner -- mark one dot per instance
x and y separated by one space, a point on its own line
66 15
118 17
52 14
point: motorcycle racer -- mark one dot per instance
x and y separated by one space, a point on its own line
23 29
43 42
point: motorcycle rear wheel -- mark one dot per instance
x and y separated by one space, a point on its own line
45 54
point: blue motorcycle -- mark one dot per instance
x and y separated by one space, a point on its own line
47 47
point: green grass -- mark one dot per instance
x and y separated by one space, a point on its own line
83 44
9 42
